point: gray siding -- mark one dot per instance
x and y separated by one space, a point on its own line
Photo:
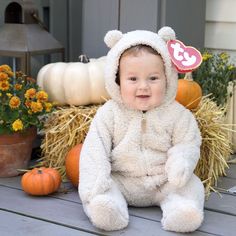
187 17
97 18
139 14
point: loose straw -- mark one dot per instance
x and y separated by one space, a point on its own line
216 148
66 127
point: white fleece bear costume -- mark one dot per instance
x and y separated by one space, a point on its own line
122 163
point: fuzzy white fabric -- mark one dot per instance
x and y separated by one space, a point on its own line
121 163
112 37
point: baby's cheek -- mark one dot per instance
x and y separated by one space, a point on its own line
163 91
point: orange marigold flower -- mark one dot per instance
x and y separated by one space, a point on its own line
17 125
18 86
36 107
48 106
42 96
14 102
3 76
10 73
30 93
28 103
5 68
4 85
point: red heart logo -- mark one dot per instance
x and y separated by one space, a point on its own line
185 58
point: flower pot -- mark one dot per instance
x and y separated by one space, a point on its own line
15 151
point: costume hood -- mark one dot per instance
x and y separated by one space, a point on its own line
119 42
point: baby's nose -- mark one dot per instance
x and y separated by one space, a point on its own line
143 84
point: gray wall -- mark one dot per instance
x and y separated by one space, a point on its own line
80 25
187 17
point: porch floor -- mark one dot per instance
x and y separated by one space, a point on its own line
62 213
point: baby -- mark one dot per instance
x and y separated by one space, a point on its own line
142 145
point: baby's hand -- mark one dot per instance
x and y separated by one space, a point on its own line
177 169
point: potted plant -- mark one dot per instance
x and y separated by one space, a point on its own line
22 110
217 76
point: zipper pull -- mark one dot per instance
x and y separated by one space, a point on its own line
143 123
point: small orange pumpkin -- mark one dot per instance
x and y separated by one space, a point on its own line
41 181
72 164
189 92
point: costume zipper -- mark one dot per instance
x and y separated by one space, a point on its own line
144 123
144 129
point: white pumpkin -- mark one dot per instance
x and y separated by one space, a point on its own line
74 83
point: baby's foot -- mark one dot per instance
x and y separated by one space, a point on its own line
105 214
185 219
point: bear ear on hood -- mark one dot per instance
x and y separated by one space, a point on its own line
166 33
112 37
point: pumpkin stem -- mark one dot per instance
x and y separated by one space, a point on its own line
188 76
40 171
83 58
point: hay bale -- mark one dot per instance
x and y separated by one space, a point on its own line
69 125
216 148
66 127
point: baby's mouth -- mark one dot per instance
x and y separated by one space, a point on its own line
143 96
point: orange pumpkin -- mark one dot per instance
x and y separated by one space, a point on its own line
72 164
41 181
189 92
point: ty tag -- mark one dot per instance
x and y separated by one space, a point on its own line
185 58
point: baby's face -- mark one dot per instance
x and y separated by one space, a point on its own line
142 80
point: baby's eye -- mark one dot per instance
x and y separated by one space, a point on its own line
133 78
154 78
